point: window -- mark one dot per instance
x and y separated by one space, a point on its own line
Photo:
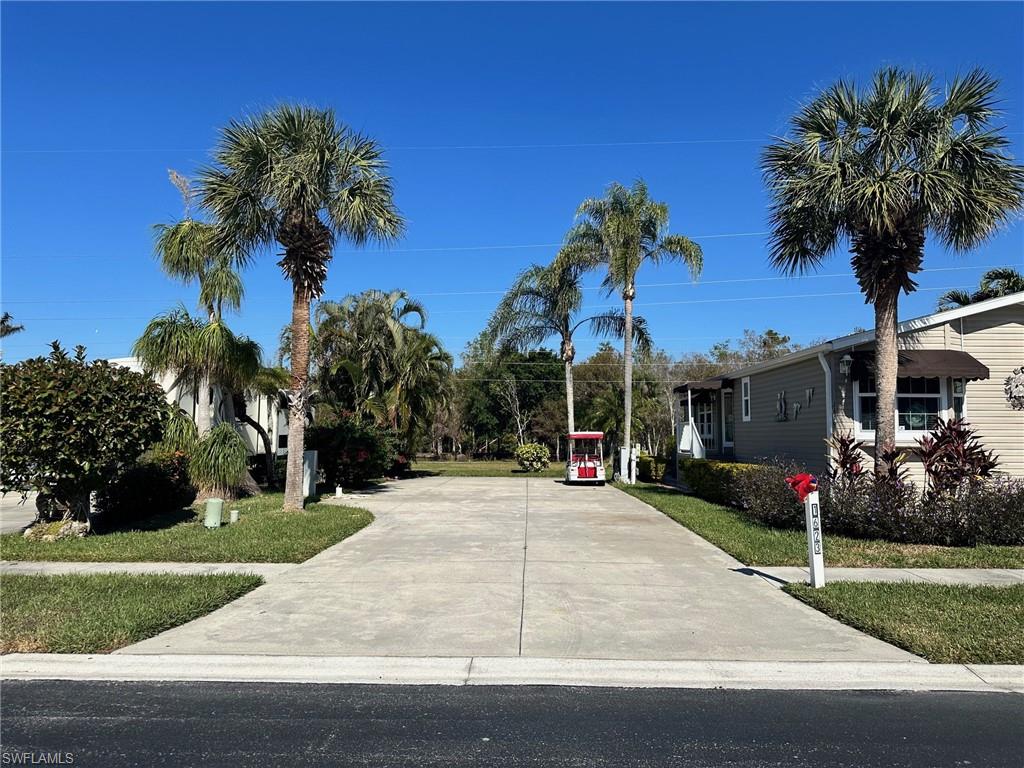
959 396
745 397
728 417
919 404
282 442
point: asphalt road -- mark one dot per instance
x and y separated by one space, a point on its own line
229 724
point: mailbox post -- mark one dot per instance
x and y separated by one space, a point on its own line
806 488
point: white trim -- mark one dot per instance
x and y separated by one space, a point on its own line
828 395
903 436
746 404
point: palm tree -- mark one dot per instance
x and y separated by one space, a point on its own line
7 326
624 230
393 369
191 251
882 168
1001 281
298 177
544 302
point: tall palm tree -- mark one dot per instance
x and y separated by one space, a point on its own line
544 302
8 326
191 251
1001 281
298 177
624 230
882 168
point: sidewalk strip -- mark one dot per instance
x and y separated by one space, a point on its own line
903 676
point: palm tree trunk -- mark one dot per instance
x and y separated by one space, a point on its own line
268 445
627 357
886 360
570 397
294 496
204 420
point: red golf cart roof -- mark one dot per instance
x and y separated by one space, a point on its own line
586 435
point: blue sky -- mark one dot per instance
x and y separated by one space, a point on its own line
498 120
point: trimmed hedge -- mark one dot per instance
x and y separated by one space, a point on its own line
533 457
715 481
651 469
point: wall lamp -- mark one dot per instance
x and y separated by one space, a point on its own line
845 365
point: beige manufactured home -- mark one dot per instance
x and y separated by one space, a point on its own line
951 363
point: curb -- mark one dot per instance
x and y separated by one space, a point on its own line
458 671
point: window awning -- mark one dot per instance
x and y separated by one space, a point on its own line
926 362
694 386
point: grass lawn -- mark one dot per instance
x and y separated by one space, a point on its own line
429 468
264 534
944 624
98 613
755 544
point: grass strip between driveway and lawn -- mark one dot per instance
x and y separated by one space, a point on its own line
265 533
99 613
946 624
753 543
428 468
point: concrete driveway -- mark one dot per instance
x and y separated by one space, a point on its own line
520 567
15 514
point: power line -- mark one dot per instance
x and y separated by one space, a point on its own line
691 283
387 251
584 309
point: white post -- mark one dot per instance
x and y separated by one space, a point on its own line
689 418
815 550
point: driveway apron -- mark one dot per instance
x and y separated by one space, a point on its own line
520 567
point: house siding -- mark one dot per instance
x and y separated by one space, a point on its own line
801 437
996 338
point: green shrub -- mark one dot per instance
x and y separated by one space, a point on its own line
533 457
70 427
761 491
650 469
158 484
220 463
714 481
352 452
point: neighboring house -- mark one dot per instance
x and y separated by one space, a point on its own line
263 410
952 363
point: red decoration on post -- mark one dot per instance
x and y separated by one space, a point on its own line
803 484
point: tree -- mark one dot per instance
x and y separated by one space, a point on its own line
191 251
70 427
298 177
624 230
8 326
882 168
194 350
374 357
995 283
544 302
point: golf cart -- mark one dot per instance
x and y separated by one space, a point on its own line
586 458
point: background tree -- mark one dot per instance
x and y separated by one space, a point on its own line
995 283
882 168
544 302
298 177
624 230
70 427
8 326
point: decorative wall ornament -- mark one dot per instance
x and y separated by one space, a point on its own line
781 407
809 394
1014 388
796 411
